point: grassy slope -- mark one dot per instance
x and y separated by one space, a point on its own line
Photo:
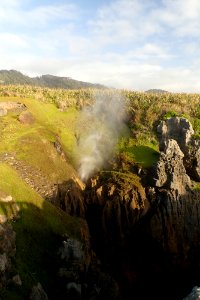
40 223
37 230
34 143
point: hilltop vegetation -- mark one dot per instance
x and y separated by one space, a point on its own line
156 91
15 77
56 112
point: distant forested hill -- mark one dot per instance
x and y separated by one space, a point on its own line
15 77
156 91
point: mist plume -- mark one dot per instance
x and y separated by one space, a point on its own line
105 120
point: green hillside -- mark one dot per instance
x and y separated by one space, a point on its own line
16 77
27 151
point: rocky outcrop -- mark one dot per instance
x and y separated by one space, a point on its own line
175 223
72 250
59 149
26 117
38 293
169 172
178 129
194 295
7 252
3 111
9 207
192 160
70 198
12 106
16 279
120 200
160 219
32 176
80 274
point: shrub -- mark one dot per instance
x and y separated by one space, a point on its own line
169 114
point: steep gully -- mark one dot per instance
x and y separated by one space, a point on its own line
146 231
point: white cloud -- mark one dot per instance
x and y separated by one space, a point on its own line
12 41
118 73
10 3
182 16
124 20
151 51
126 43
40 16
44 14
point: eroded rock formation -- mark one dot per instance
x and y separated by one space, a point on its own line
194 295
178 129
152 220
169 171
175 223
70 198
118 201
7 252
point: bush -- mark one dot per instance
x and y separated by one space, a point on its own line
196 136
169 114
196 125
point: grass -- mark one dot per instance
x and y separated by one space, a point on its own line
38 231
46 116
143 155
140 152
33 143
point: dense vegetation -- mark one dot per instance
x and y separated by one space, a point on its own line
15 77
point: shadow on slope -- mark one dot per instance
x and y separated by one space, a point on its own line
39 232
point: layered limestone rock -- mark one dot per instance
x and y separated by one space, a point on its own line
80 275
111 202
162 218
7 252
192 161
120 200
194 295
169 171
12 106
175 223
70 198
26 117
178 129
3 112
38 293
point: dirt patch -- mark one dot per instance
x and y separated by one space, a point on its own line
32 176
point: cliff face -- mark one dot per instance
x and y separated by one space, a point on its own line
114 203
175 223
119 201
149 222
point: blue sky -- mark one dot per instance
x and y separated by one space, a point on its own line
128 44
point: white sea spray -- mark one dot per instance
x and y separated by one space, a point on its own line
105 120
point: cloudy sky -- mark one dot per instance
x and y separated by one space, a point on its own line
131 44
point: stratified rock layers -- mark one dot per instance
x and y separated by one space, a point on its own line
161 212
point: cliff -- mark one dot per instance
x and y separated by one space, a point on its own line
160 211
